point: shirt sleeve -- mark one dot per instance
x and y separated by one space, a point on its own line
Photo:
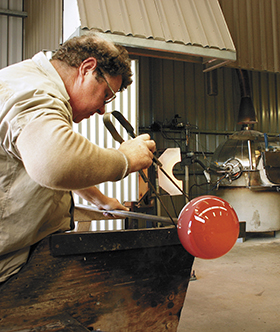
57 157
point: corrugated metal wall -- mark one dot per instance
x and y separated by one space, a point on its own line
255 28
11 28
43 27
266 98
170 87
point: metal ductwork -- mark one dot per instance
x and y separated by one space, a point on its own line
246 113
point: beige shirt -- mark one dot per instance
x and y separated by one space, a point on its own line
35 192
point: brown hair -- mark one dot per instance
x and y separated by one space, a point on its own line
111 58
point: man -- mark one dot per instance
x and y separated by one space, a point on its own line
41 159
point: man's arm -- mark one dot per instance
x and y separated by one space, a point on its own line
95 196
56 157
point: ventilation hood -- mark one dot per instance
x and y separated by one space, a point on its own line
187 30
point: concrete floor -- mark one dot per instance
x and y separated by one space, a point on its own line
237 292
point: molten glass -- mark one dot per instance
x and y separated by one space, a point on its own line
208 227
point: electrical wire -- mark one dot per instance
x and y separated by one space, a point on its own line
165 136
215 185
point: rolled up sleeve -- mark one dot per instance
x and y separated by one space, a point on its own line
57 157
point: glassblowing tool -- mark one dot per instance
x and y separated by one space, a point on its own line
207 226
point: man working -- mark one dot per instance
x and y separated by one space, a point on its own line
41 159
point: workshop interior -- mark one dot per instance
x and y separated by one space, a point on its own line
207 90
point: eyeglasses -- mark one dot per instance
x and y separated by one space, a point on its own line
109 86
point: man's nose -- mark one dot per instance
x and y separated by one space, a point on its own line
101 110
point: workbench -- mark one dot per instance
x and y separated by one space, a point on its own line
112 281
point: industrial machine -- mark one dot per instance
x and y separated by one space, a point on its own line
247 170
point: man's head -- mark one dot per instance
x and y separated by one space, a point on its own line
108 64
112 59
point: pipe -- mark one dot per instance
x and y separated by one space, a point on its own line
246 113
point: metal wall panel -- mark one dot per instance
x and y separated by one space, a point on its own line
255 28
43 27
266 98
11 27
171 88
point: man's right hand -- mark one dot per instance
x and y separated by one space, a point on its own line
139 152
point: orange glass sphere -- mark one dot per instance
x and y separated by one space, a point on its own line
208 227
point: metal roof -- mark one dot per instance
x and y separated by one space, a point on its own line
194 28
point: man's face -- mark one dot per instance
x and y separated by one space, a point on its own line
90 91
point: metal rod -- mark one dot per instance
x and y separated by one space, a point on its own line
15 13
88 213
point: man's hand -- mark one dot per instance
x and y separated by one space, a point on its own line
103 202
139 152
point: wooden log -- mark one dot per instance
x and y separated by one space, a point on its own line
130 282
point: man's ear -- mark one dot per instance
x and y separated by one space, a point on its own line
88 66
